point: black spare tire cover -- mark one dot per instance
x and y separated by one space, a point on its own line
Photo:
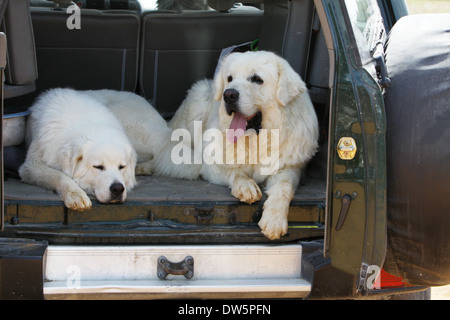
418 149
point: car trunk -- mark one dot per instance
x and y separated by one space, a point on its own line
163 210
159 210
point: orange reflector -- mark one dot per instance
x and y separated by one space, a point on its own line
389 281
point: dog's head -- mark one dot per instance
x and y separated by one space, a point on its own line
104 169
252 85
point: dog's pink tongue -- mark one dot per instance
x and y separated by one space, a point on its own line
237 127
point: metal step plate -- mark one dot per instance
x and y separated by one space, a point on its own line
134 272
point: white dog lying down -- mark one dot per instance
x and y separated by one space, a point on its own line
89 142
251 92
77 146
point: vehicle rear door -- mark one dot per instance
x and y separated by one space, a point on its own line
356 195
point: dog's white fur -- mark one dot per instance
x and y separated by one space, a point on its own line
71 133
285 105
147 131
77 146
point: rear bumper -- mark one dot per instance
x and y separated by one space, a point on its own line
34 270
131 272
180 289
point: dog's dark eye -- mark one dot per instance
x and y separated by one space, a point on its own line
121 167
100 167
230 78
256 79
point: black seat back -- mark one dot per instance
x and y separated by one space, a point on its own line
21 71
181 48
103 54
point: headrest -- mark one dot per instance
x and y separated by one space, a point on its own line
221 5
63 3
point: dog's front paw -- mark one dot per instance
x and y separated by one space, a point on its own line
273 223
144 168
246 190
77 200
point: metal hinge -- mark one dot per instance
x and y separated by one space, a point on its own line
380 67
368 278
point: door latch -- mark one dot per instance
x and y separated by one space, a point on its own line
346 148
204 215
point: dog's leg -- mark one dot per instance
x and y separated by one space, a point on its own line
280 190
245 188
144 168
242 187
38 173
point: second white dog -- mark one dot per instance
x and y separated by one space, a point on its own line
253 92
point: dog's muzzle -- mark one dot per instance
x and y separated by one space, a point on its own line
231 96
116 190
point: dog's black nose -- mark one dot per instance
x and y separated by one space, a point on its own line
117 189
231 96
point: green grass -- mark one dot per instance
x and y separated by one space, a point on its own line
428 6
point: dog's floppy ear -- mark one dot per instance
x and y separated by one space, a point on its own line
218 86
219 82
72 157
289 84
129 174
